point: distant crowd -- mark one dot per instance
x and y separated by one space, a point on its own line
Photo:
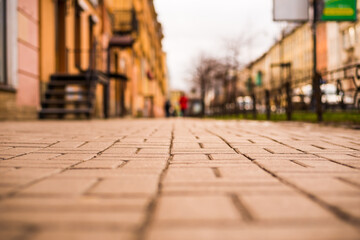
171 111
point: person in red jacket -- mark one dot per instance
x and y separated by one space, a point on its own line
183 104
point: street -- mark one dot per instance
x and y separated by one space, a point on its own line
178 179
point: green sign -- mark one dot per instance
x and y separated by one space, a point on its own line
338 10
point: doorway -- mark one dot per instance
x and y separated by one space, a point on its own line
60 36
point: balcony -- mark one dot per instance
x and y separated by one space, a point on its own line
124 22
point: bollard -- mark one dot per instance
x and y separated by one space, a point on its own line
288 101
267 103
254 105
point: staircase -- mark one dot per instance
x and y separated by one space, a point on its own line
69 96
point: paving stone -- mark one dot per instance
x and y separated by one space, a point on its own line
37 163
288 207
196 208
109 164
80 235
74 156
36 156
59 186
186 175
256 232
117 179
73 203
190 157
84 219
128 186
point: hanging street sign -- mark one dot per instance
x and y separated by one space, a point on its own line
291 10
337 10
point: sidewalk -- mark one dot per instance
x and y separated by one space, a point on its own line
178 180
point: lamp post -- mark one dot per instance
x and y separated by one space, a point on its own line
315 75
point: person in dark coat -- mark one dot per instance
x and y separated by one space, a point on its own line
167 108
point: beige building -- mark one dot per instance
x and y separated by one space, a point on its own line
338 45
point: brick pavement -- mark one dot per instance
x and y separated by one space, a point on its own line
178 179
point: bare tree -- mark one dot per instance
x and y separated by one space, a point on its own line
204 75
232 54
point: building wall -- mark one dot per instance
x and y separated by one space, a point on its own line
296 49
101 33
146 88
322 47
22 101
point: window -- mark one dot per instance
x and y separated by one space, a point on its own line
349 37
2 43
352 36
259 79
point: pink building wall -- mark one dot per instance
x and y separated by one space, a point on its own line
28 53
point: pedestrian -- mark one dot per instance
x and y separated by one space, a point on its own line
167 108
183 104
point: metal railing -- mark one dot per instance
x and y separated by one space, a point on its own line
340 91
94 59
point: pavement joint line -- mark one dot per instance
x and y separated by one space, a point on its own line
83 144
241 208
209 156
284 144
300 163
336 211
221 139
23 154
102 151
336 144
21 187
20 155
216 172
334 161
355 184
150 211
354 143
268 150
93 186
316 146
52 144
124 162
307 152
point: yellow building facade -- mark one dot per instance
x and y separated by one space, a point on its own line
144 63
290 57
93 58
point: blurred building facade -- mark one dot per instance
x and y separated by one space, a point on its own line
19 59
290 59
145 62
102 58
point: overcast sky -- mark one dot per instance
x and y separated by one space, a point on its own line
195 26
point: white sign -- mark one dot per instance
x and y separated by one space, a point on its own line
291 10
